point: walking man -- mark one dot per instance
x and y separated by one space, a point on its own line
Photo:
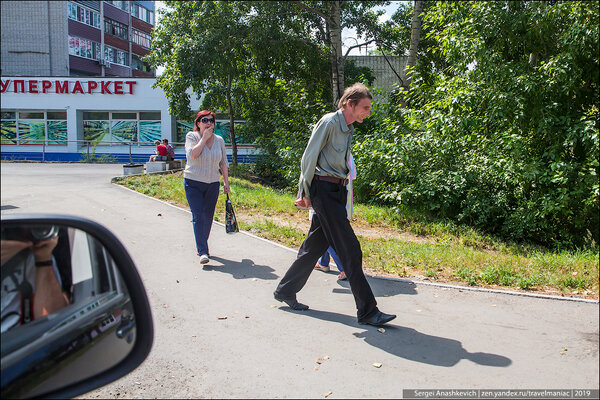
323 176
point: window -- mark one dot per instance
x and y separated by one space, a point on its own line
138 64
115 28
31 115
56 127
84 48
56 115
221 129
150 115
121 128
95 115
150 128
135 10
182 129
142 13
141 38
116 56
31 131
123 5
8 115
122 115
8 127
124 130
72 11
83 15
34 127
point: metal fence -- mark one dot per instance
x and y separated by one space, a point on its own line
89 151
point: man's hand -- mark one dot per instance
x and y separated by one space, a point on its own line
43 250
303 203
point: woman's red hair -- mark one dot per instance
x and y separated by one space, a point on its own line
201 114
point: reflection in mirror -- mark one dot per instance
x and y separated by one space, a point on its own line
66 314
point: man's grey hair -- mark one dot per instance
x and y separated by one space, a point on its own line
354 93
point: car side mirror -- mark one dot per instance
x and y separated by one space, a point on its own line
75 314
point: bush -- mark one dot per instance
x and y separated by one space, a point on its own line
496 141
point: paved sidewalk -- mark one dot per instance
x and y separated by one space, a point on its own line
443 337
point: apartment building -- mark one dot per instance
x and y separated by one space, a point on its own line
76 38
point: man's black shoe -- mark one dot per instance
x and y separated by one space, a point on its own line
292 302
377 319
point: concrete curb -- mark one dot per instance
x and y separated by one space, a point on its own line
166 172
441 285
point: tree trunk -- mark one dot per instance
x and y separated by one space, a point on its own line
336 57
415 36
231 123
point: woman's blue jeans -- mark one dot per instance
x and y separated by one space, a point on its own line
202 198
324 260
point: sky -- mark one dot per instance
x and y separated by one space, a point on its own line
349 37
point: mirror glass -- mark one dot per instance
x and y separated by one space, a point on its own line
66 313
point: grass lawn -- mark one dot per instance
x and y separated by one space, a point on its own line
402 245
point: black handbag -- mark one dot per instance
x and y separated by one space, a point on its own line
231 225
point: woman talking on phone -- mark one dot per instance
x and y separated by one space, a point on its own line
206 161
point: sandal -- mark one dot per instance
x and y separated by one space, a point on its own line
320 267
342 276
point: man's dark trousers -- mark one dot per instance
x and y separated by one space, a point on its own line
330 225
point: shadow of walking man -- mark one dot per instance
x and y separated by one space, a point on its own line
381 287
411 344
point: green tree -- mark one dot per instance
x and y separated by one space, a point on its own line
329 18
202 45
415 37
502 130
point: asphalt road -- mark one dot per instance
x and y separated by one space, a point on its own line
443 338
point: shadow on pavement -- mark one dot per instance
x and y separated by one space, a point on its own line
244 269
381 288
411 344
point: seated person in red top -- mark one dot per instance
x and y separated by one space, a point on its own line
161 152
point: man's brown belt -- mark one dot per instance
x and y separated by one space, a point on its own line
331 179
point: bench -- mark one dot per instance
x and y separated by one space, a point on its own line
160 166
155 166
175 164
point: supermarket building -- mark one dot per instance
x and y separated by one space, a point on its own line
69 118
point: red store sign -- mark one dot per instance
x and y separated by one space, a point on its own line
66 87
